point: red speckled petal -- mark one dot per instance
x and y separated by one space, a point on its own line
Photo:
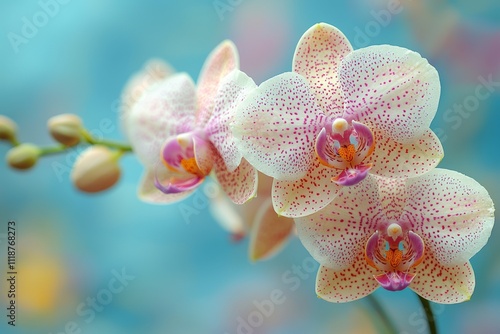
307 195
233 89
397 160
164 111
392 193
220 62
451 212
390 88
276 126
270 232
241 184
317 57
154 71
148 192
346 285
336 234
445 285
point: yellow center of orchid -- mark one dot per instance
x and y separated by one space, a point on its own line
347 152
190 166
394 257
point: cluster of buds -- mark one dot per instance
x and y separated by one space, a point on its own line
95 170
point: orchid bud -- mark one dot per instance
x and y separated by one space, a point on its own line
66 129
96 169
8 128
23 156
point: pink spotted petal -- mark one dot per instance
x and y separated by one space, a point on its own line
396 160
241 184
335 235
351 283
166 110
317 57
451 212
154 71
269 234
391 89
276 125
393 196
352 176
148 192
233 89
441 284
307 195
220 62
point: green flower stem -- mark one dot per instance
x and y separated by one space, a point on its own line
52 150
430 315
109 143
384 317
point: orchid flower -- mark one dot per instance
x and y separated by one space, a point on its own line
395 233
338 116
179 131
267 232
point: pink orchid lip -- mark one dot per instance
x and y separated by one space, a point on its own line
180 154
394 281
395 252
178 186
352 176
344 146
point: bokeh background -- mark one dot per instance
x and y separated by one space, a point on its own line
189 277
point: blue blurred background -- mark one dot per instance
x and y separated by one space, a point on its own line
186 276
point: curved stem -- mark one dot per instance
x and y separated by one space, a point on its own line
109 143
430 316
384 317
52 150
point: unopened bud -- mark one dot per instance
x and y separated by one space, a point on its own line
8 128
23 156
96 169
65 128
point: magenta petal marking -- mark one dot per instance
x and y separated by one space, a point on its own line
172 153
394 281
371 249
363 132
352 176
366 142
416 247
321 142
